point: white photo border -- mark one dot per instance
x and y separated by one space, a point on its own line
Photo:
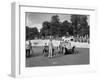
21 70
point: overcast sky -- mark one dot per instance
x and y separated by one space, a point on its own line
36 19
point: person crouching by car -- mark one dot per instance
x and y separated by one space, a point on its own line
45 50
67 47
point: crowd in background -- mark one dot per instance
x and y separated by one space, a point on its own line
85 39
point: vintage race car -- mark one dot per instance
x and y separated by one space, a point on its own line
67 47
66 44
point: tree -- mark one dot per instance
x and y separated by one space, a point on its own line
31 33
66 28
46 29
50 28
55 19
79 24
55 25
27 32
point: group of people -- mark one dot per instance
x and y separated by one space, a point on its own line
50 51
63 49
66 48
82 38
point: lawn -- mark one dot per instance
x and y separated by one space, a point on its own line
37 59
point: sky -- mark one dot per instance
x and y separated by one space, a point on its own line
36 19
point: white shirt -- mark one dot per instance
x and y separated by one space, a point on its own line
50 45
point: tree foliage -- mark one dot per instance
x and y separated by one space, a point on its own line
56 28
31 33
78 25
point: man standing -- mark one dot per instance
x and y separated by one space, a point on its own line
30 47
50 48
